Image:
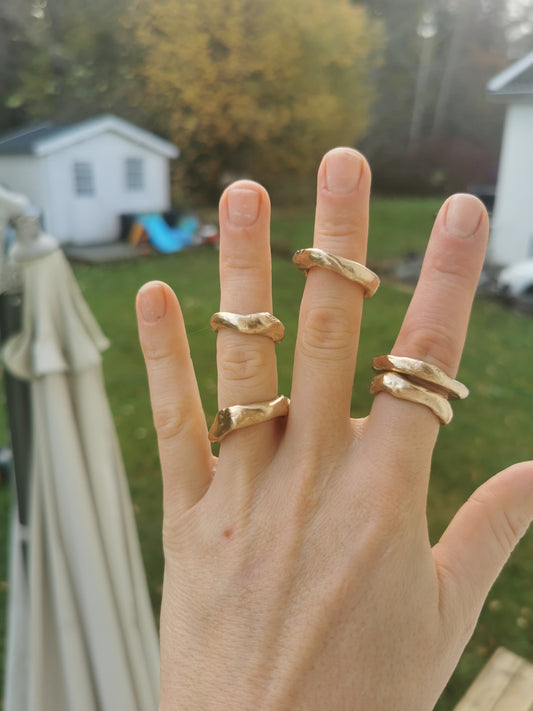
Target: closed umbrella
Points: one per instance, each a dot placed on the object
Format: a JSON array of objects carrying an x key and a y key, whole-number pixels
[{"x": 81, "y": 634}]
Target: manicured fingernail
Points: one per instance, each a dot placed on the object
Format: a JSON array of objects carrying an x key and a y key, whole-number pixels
[
  {"x": 153, "y": 302},
  {"x": 463, "y": 215},
  {"x": 343, "y": 170},
  {"x": 243, "y": 206}
]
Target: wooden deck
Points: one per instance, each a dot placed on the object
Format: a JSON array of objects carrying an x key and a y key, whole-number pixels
[{"x": 504, "y": 684}]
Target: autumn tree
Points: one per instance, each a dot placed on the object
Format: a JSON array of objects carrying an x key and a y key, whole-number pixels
[{"x": 256, "y": 87}]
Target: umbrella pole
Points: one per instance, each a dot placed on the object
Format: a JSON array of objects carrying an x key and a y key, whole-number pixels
[{"x": 18, "y": 408}]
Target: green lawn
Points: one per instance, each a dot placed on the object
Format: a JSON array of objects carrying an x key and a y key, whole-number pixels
[{"x": 490, "y": 430}]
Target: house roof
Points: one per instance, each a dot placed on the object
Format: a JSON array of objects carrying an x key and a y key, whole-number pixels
[
  {"x": 43, "y": 139},
  {"x": 515, "y": 81}
]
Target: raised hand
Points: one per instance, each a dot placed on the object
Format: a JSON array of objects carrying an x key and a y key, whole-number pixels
[{"x": 300, "y": 576}]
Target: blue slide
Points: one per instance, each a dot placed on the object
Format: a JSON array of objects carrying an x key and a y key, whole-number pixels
[{"x": 169, "y": 239}]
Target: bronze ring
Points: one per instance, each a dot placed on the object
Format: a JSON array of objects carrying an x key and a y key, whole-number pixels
[
  {"x": 421, "y": 372},
  {"x": 399, "y": 387},
  {"x": 306, "y": 259},
  {"x": 238, "y": 416},
  {"x": 263, "y": 324}
]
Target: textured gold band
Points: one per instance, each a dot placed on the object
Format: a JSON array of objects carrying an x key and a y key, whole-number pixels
[
  {"x": 422, "y": 371},
  {"x": 238, "y": 416},
  {"x": 262, "y": 324},
  {"x": 399, "y": 387},
  {"x": 306, "y": 259}
]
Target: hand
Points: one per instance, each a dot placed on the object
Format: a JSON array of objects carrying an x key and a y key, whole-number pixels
[{"x": 301, "y": 576}]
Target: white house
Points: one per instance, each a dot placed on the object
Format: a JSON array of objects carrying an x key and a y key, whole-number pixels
[
  {"x": 512, "y": 224},
  {"x": 84, "y": 176}
]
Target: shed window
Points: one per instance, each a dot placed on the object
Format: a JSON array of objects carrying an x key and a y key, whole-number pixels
[
  {"x": 84, "y": 178},
  {"x": 134, "y": 174}
]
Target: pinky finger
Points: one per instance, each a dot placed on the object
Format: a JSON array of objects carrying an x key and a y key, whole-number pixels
[{"x": 184, "y": 450}]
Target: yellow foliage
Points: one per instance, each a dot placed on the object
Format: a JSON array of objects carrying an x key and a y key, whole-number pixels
[{"x": 255, "y": 86}]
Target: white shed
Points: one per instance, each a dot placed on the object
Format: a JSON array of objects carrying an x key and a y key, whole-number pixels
[
  {"x": 84, "y": 176},
  {"x": 512, "y": 223}
]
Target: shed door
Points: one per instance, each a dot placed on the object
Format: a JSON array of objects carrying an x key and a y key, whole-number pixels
[{"x": 92, "y": 218}]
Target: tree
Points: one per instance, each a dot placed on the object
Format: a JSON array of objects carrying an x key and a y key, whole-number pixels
[
  {"x": 74, "y": 61},
  {"x": 520, "y": 28},
  {"x": 14, "y": 18},
  {"x": 457, "y": 136},
  {"x": 257, "y": 87}
]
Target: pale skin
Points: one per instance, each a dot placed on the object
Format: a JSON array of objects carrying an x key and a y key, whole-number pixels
[{"x": 300, "y": 577}]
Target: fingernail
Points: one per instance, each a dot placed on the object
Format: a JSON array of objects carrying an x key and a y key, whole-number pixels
[
  {"x": 343, "y": 171},
  {"x": 153, "y": 302},
  {"x": 463, "y": 215},
  {"x": 243, "y": 206}
]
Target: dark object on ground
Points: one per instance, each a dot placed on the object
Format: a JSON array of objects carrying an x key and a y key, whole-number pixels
[
  {"x": 6, "y": 462},
  {"x": 18, "y": 404},
  {"x": 171, "y": 217},
  {"x": 101, "y": 253}
]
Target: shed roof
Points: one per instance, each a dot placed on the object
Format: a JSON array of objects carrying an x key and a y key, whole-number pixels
[
  {"x": 515, "y": 81},
  {"x": 45, "y": 138}
]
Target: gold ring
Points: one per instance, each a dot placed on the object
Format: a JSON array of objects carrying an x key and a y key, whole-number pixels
[
  {"x": 263, "y": 324},
  {"x": 397, "y": 386},
  {"x": 306, "y": 259},
  {"x": 421, "y": 371},
  {"x": 238, "y": 416}
]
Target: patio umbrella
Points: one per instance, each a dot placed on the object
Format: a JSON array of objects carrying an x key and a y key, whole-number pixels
[{"x": 81, "y": 633}]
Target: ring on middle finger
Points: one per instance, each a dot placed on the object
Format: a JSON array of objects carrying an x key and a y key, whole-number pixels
[
  {"x": 306, "y": 259},
  {"x": 262, "y": 324}
]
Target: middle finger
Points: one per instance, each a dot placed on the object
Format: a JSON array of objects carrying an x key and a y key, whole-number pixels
[{"x": 330, "y": 313}]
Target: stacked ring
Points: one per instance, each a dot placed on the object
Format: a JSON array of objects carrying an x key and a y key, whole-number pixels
[
  {"x": 239, "y": 416},
  {"x": 419, "y": 382},
  {"x": 263, "y": 324},
  {"x": 399, "y": 387},
  {"x": 419, "y": 370},
  {"x": 306, "y": 259}
]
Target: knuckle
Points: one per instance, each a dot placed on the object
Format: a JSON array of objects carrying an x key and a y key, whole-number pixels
[
  {"x": 170, "y": 421},
  {"x": 157, "y": 353},
  {"x": 327, "y": 334},
  {"x": 241, "y": 263},
  {"x": 433, "y": 340},
  {"x": 510, "y": 530},
  {"x": 337, "y": 232},
  {"x": 505, "y": 529},
  {"x": 450, "y": 269},
  {"x": 243, "y": 363}
]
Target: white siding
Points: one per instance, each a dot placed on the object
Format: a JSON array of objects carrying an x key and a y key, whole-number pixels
[
  {"x": 95, "y": 218},
  {"x": 512, "y": 226},
  {"x": 26, "y": 175}
]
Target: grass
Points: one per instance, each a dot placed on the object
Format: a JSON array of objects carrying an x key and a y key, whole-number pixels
[
  {"x": 490, "y": 430},
  {"x": 397, "y": 227}
]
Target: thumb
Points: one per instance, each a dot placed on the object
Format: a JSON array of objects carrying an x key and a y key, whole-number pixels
[{"x": 480, "y": 539}]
